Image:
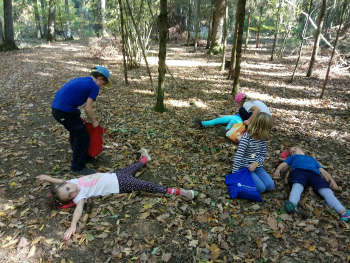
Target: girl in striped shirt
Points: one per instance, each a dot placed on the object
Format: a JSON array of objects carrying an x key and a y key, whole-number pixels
[{"x": 251, "y": 151}]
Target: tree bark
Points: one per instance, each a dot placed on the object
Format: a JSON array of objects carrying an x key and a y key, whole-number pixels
[
  {"x": 276, "y": 29},
  {"x": 37, "y": 19},
  {"x": 233, "y": 51},
  {"x": 247, "y": 32},
  {"x": 163, "y": 32},
  {"x": 240, "y": 15},
  {"x": 211, "y": 21},
  {"x": 102, "y": 20},
  {"x": 302, "y": 41},
  {"x": 218, "y": 21},
  {"x": 9, "y": 39},
  {"x": 44, "y": 17},
  {"x": 259, "y": 27},
  {"x": 189, "y": 22},
  {"x": 123, "y": 41},
  {"x": 197, "y": 24},
  {"x": 345, "y": 3},
  {"x": 225, "y": 37},
  {"x": 317, "y": 38},
  {"x": 51, "y": 21},
  {"x": 68, "y": 23},
  {"x": 140, "y": 42},
  {"x": 1, "y": 33}
]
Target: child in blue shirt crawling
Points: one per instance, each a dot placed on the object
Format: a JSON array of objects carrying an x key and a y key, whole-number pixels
[{"x": 306, "y": 171}]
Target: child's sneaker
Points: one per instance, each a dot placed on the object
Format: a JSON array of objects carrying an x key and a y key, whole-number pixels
[
  {"x": 346, "y": 216},
  {"x": 289, "y": 207},
  {"x": 188, "y": 194},
  {"x": 198, "y": 123},
  {"x": 144, "y": 153}
]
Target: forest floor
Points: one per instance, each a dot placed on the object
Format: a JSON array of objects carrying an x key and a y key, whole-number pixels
[{"x": 141, "y": 227}]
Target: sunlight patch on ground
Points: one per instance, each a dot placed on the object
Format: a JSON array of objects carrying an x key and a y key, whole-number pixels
[
  {"x": 199, "y": 104},
  {"x": 148, "y": 92},
  {"x": 211, "y": 91},
  {"x": 178, "y": 103},
  {"x": 315, "y": 102},
  {"x": 263, "y": 65},
  {"x": 264, "y": 73},
  {"x": 183, "y": 63}
]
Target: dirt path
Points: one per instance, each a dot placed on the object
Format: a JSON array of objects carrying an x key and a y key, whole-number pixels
[{"x": 152, "y": 228}]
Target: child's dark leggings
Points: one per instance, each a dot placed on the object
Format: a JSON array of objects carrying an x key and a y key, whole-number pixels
[{"x": 128, "y": 183}]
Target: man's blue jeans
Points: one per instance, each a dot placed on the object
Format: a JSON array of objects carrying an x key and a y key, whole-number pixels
[{"x": 78, "y": 136}]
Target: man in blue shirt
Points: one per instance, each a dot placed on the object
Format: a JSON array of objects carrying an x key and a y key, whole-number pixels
[{"x": 69, "y": 97}]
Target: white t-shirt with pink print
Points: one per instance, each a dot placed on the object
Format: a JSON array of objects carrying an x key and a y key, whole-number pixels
[{"x": 95, "y": 185}]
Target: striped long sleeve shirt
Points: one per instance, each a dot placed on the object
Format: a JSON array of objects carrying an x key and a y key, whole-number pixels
[{"x": 249, "y": 150}]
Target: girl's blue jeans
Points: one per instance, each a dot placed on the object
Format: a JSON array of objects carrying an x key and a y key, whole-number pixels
[
  {"x": 228, "y": 119},
  {"x": 262, "y": 180}
]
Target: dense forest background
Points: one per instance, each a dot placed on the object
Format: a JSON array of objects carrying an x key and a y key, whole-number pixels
[{"x": 171, "y": 61}]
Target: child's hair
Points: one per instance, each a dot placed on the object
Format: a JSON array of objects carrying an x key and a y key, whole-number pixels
[
  {"x": 54, "y": 200},
  {"x": 97, "y": 74},
  {"x": 260, "y": 126}
]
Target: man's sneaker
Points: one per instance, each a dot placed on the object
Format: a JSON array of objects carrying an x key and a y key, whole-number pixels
[
  {"x": 346, "y": 216},
  {"x": 84, "y": 171},
  {"x": 188, "y": 194},
  {"x": 145, "y": 153},
  {"x": 198, "y": 123}
]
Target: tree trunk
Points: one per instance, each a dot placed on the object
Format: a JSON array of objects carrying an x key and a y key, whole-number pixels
[
  {"x": 163, "y": 32},
  {"x": 1, "y": 33},
  {"x": 302, "y": 41},
  {"x": 218, "y": 21},
  {"x": 276, "y": 29},
  {"x": 37, "y": 19},
  {"x": 345, "y": 3},
  {"x": 197, "y": 24},
  {"x": 247, "y": 32},
  {"x": 259, "y": 27},
  {"x": 102, "y": 19},
  {"x": 9, "y": 39},
  {"x": 240, "y": 15},
  {"x": 140, "y": 41},
  {"x": 98, "y": 17},
  {"x": 51, "y": 21},
  {"x": 189, "y": 22},
  {"x": 44, "y": 17},
  {"x": 123, "y": 41},
  {"x": 225, "y": 37},
  {"x": 211, "y": 21},
  {"x": 68, "y": 23},
  {"x": 233, "y": 51},
  {"x": 317, "y": 38}
]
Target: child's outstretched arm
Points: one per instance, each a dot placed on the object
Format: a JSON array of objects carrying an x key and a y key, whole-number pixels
[
  {"x": 282, "y": 167},
  {"x": 329, "y": 179},
  {"x": 255, "y": 111},
  {"x": 44, "y": 177},
  {"x": 78, "y": 211}
]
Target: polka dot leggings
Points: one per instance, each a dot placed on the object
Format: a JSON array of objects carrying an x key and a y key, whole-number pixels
[{"x": 128, "y": 183}]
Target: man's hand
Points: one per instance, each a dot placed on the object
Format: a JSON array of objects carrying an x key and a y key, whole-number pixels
[
  {"x": 69, "y": 232},
  {"x": 252, "y": 166},
  {"x": 95, "y": 124}
]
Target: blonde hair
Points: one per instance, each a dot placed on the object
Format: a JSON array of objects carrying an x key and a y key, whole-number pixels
[{"x": 260, "y": 126}]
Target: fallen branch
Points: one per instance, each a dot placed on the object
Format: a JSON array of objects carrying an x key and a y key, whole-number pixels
[{"x": 315, "y": 26}]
